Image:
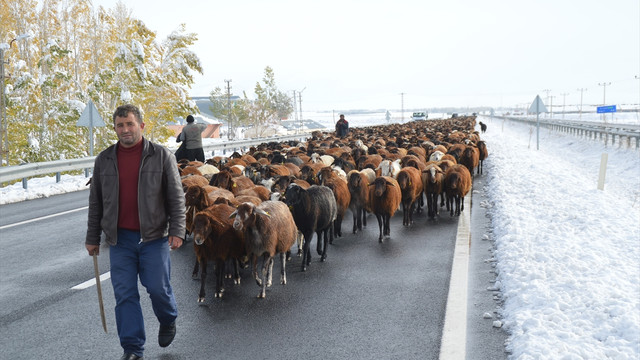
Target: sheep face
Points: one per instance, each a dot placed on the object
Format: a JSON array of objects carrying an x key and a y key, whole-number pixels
[
  {"x": 201, "y": 228},
  {"x": 293, "y": 195},
  {"x": 380, "y": 186},
  {"x": 243, "y": 216},
  {"x": 194, "y": 195}
]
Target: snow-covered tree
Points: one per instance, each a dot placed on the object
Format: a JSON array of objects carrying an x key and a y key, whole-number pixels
[{"x": 75, "y": 54}]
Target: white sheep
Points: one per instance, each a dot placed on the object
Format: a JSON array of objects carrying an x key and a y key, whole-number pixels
[{"x": 389, "y": 168}]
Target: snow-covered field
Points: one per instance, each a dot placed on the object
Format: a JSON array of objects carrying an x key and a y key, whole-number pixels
[{"x": 567, "y": 255}]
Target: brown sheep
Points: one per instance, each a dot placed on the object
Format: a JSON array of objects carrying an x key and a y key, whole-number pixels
[
  {"x": 410, "y": 182},
  {"x": 456, "y": 184},
  {"x": 247, "y": 198},
  {"x": 483, "y": 153},
  {"x": 282, "y": 183},
  {"x": 384, "y": 199},
  {"x": 309, "y": 171},
  {"x": 456, "y": 151},
  {"x": 189, "y": 170},
  {"x": 470, "y": 158},
  {"x": 341, "y": 192},
  {"x": 225, "y": 180},
  {"x": 214, "y": 239},
  {"x": 268, "y": 230},
  {"x": 191, "y": 180},
  {"x": 432, "y": 184},
  {"x": 258, "y": 191},
  {"x": 358, "y": 184}
]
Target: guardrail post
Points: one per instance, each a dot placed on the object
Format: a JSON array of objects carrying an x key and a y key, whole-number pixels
[
  {"x": 24, "y": 183},
  {"x": 57, "y": 177}
]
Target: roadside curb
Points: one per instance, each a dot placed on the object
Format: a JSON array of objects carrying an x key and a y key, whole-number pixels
[{"x": 454, "y": 331}]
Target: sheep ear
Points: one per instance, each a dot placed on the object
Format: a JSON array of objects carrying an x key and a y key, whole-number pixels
[
  {"x": 233, "y": 214},
  {"x": 262, "y": 212}
]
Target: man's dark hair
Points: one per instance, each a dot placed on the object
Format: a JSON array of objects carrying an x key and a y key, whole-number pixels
[{"x": 124, "y": 110}]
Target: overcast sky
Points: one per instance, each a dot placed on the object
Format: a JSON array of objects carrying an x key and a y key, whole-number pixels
[{"x": 353, "y": 54}]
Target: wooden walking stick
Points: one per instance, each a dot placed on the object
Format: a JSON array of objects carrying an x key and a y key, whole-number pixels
[{"x": 95, "y": 267}]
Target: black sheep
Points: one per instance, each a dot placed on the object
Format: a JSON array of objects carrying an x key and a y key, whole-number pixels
[{"x": 314, "y": 210}]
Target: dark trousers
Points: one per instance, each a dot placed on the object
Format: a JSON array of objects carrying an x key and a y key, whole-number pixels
[{"x": 195, "y": 154}]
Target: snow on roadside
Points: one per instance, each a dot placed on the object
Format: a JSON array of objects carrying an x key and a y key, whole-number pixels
[
  {"x": 568, "y": 255},
  {"x": 42, "y": 187}
]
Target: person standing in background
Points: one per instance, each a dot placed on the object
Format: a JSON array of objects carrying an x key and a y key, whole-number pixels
[
  {"x": 192, "y": 136},
  {"x": 342, "y": 127},
  {"x": 136, "y": 199}
]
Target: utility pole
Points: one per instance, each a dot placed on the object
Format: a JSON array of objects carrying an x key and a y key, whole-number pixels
[
  {"x": 604, "y": 100},
  {"x": 230, "y": 134},
  {"x": 564, "y": 98},
  {"x": 295, "y": 106},
  {"x": 402, "y": 107},
  {"x": 551, "y": 105},
  {"x": 604, "y": 96},
  {"x": 547, "y": 91},
  {"x": 300, "y": 104},
  {"x": 581, "y": 91}
]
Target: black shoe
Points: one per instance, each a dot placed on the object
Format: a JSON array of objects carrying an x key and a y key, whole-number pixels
[
  {"x": 128, "y": 356},
  {"x": 166, "y": 334}
]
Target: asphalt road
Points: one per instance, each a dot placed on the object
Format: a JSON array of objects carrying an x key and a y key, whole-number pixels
[{"x": 368, "y": 300}]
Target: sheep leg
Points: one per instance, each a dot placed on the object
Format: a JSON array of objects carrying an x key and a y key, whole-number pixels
[
  {"x": 306, "y": 252},
  {"x": 283, "y": 272},
  {"x": 387, "y": 229},
  {"x": 270, "y": 272},
  {"x": 379, "y": 217},
  {"x": 203, "y": 280},
  {"x": 356, "y": 215},
  {"x": 236, "y": 271},
  {"x": 196, "y": 268},
  {"x": 327, "y": 234},
  {"x": 254, "y": 269},
  {"x": 266, "y": 259},
  {"x": 219, "y": 278},
  {"x": 405, "y": 215},
  {"x": 337, "y": 224},
  {"x": 411, "y": 208},
  {"x": 319, "y": 233},
  {"x": 300, "y": 243},
  {"x": 364, "y": 218}
]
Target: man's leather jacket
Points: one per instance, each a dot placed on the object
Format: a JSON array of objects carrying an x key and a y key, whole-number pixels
[{"x": 160, "y": 196}]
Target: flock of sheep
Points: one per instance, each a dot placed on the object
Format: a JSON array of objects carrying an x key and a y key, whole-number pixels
[{"x": 258, "y": 204}]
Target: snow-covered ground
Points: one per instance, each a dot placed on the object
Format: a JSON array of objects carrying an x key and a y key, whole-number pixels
[{"x": 567, "y": 255}]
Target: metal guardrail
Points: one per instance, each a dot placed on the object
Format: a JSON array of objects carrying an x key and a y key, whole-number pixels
[
  {"x": 26, "y": 171},
  {"x": 595, "y": 130}
]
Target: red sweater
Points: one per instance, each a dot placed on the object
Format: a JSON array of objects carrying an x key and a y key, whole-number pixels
[{"x": 128, "y": 173}]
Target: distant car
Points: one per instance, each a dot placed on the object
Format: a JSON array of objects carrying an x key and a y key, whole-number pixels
[{"x": 419, "y": 116}]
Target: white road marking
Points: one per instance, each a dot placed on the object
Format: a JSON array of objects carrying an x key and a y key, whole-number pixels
[
  {"x": 42, "y": 218},
  {"x": 454, "y": 331},
  {"x": 92, "y": 282}
]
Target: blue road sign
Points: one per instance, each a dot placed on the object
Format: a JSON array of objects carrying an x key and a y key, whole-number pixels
[{"x": 606, "y": 109}]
